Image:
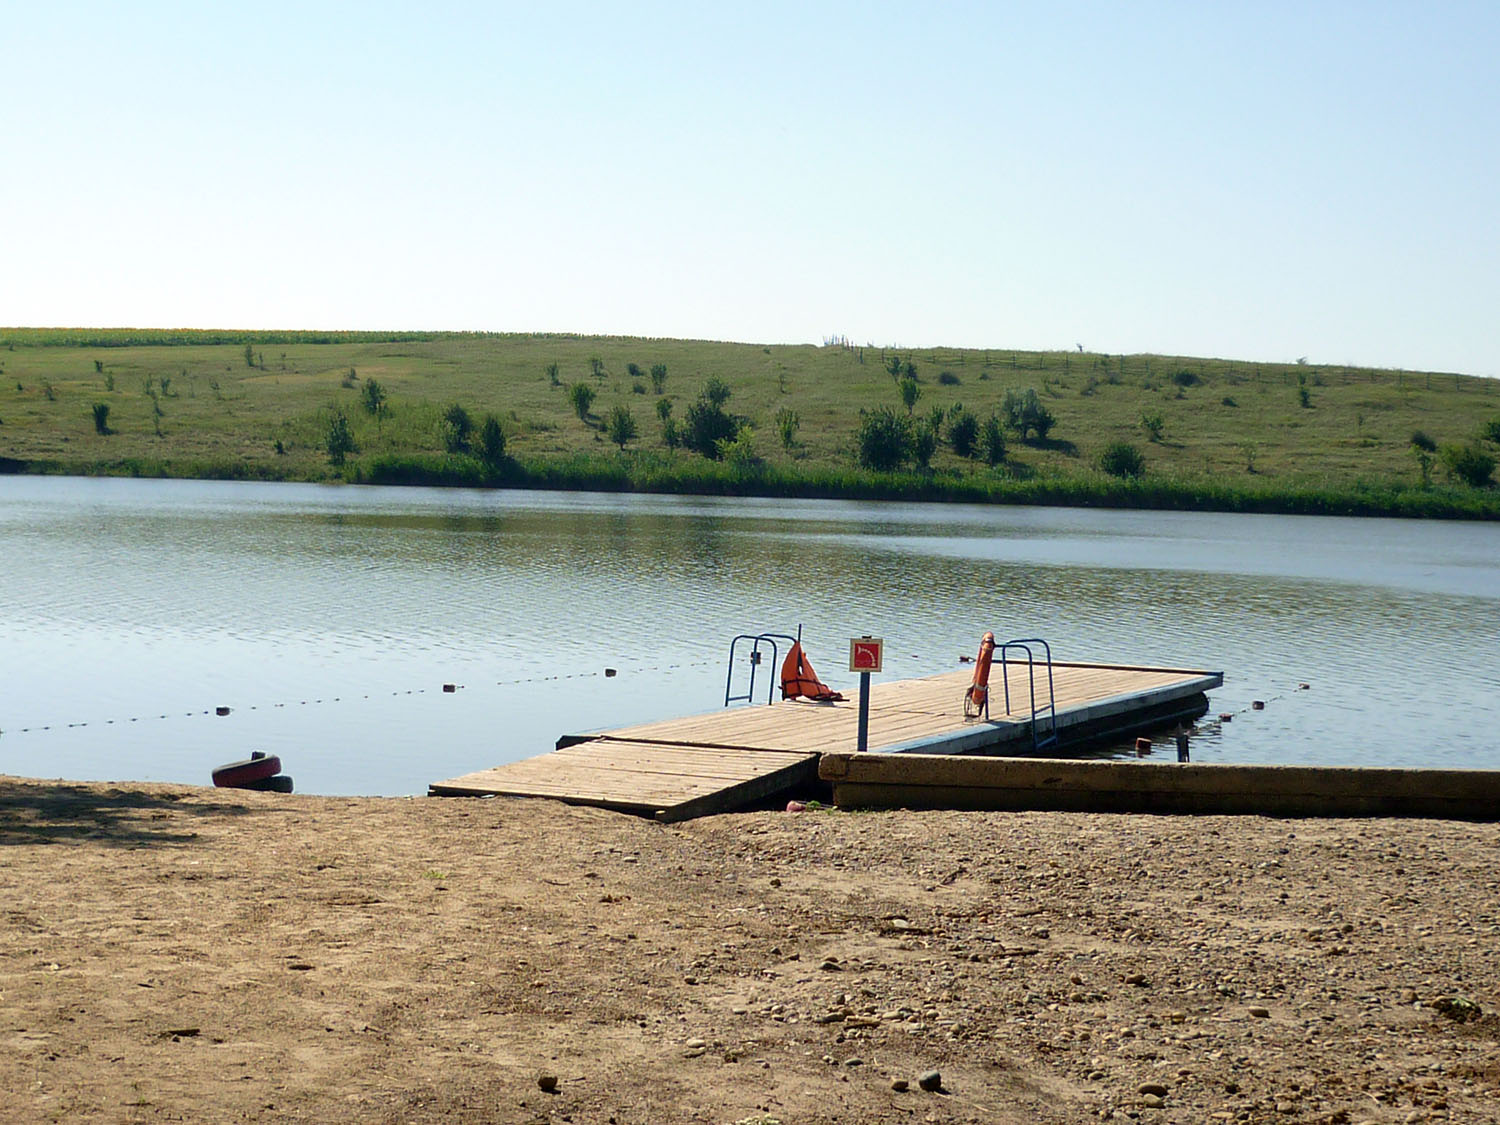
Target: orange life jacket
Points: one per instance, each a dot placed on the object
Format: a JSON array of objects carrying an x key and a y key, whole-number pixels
[{"x": 798, "y": 678}]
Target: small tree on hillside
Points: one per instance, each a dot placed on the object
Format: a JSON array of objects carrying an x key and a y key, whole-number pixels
[
  {"x": 338, "y": 437},
  {"x": 963, "y": 432},
  {"x": 457, "y": 428},
  {"x": 620, "y": 426},
  {"x": 372, "y": 398},
  {"x": 992, "y": 440},
  {"x": 1035, "y": 416},
  {"x": 1026, "y": 415},
  {"x": 910, "y": 390},
  {"x": 715, "y": 391},
  {"x": 787, "y": 423},
  {"x": 491, "y": 441},
  {"x": 936, "y": 417},
  {"x": 924, "y": 441},
  {"x": 581, "y": 395},
  {"x": 658, "y": 378}
]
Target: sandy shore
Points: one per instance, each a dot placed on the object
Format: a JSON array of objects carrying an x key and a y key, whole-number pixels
[{"x": 180, "y": 954}]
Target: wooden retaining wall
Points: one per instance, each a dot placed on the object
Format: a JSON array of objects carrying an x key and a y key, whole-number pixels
[{"x": 933, "y": 781}]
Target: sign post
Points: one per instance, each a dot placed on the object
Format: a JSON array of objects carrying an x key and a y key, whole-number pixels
[{"x": 866, "y": 655}]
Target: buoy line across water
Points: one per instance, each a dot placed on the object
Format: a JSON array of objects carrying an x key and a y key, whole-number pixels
[{"x": 222, "y": 710}]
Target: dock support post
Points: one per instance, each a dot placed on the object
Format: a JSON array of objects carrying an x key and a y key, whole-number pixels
[{"x": 864, "y": 713}]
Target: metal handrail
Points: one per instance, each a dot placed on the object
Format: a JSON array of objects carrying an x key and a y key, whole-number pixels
[
  {"x": 1024, "y": 644},
  {"x": 756, "y": 639}
]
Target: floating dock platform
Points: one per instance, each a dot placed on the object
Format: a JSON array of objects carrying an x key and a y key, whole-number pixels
[{"x": 728, "y": 759}]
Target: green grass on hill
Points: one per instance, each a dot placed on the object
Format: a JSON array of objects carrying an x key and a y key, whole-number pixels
[{"x": 1229, "y": 435}]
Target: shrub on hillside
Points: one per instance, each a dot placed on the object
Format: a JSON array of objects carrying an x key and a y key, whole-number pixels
[
  {"x": 787, "y": 423},
  {"x": 963, "y": 433},
  {"x": 883, "y": 440},
  {"x": 581, "y": 395},
  {"x": 705, "y": 426},
  {"x": 1469, "y": 464},
  {"x": 456, "y": 429},
  {"x": 491, "y": 441},
  {"x": 992, "y": 440},
  {"x": 1121, "y": 459},
  {"x": 924, "y": 441}
]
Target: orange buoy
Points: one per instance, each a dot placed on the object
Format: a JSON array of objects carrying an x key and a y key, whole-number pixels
[
  {"x": 246, "y": 772},
  {"x": 977, "y": 697}
]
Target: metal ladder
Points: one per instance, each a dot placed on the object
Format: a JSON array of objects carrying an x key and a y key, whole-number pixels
[
  {"x": 1048, "y": 710},
  {"x": 756, "y": 641}
]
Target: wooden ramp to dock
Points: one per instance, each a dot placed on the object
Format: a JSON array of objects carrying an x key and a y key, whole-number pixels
[
  {"x": 703, "y": 764},
  {"x": 670, "y": 782}
]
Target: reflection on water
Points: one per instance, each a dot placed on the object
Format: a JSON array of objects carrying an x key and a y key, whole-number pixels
[{"x": 330, "y": 618}]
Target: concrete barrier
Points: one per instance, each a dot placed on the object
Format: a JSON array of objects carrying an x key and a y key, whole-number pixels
[{"x": 962, "y": 782}]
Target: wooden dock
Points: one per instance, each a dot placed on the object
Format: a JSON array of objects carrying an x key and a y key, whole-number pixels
[{"x": 727, "y": 759}]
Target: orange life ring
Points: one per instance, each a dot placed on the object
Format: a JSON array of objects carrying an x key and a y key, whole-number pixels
[{"x": 977, "y": 697}]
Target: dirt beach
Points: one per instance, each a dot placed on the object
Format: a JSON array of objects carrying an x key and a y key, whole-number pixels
[{"x": 181, "y": 954}]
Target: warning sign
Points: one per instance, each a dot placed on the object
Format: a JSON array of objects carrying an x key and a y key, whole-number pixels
[{"x": 866, "y": 654}]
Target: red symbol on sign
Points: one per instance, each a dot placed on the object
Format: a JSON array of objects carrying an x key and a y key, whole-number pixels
[{"x": 864, "y": 655}]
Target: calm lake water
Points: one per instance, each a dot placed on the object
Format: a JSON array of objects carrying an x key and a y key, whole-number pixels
[{"x": 328, "y": 620}]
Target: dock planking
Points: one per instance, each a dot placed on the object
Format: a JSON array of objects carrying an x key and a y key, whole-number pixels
[
  {"x": 652, "y": 779},
  {"x": 697, "y": 765}
]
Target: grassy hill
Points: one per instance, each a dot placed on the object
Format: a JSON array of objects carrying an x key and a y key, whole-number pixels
[{"x": 1213, "y": 433}]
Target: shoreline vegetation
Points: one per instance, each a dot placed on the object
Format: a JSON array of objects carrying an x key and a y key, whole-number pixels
[{"x": 835, "y": 421}]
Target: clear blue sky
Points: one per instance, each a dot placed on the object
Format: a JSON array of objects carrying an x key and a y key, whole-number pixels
[{"x": 1258, "y": 180}]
